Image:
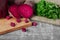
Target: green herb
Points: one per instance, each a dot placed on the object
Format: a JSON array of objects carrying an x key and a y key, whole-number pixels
[{"x": 47, "y": 9}]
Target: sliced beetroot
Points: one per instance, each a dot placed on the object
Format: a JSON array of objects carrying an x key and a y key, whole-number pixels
[
  {"x": 8, "y": 17},
  {"x": 34, "y": 23},
  {"x": 1, "y": 14},
  {"x": 25, "y": 10},
  {"x": 24, "y": 29},
  {"x": 14, "y": 12},
  {"x": 26, "y": 20},
  {"x": 13, "y": 24},
  {"x": 18, "y": 20}
]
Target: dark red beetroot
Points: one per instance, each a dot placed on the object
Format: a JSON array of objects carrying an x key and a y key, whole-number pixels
[
  {"x": 3, "y": 8},
  {"x": 26, "y": 20},
  {"x": 34, "y": 23},
  {"x": 24, "y": 29},
  {"x": 25, "y": 10},
  {"x": 13, "y": 11},
  {"x": 12, "y": 24},
  {"x": 18, "y": 20}
]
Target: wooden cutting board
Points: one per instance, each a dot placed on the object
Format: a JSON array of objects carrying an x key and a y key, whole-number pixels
[
  {"x": 46, "y": 20},
  {"x": 5, "y": 26}
]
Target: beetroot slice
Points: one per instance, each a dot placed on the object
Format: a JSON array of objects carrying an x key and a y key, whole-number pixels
[
  {"x": 18, "y": 20},
  {"x": 24, "y": 29},
  {"x": 26, "y": 20},
  {"x": 14, "y": 12},
  {"x": 8, "y": 17},
  {"x": 13, "y": 24},
  {"x": 34, "y": 23}
]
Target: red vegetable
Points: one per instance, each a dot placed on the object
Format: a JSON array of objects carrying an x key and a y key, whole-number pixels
[
  {"x": 18, "y": 20},
  {"x": 14, "y": 12},
  {"x": 8, "y": 17},
  {"x": 13, "y": 24},
  {"x": 24, "y": 29},
  {"x": 25, "y": 10},
  {"x": 26, "y": 20},
  {"x": 34, "y": 23}
]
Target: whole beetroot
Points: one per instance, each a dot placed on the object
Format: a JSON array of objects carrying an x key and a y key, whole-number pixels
[
  {"x": 13, "y": 11},
  {"x": 25, "y": 10}
]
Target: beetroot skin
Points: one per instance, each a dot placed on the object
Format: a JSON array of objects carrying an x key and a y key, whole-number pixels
[
  {"x": 13, "y": 10},
  {"x": 34, "y": 23},
  {"x": 25, "y": 10},
  {"x": 24, "y": 29}
]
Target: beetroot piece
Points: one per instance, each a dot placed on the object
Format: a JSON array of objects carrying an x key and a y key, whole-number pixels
[
  {"x": 14, "y": 12},
  {"x": 3, "y": 8},
  {"x": 13, "y": 24},
  {"x": 34, "y": 23},
  {"x": 18, "y": 20},
  {"x": 24, "y": 29},
  {"x": 8, "y": 17},
  {"x": 25, "y": 10},
  {"x": 17, "y": 2},
  {"x": 26, "y": 20}
]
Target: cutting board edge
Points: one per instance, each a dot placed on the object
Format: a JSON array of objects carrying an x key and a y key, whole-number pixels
[
  {"x": 17, "y": 28},
  {"x": 49, "y": 21}
]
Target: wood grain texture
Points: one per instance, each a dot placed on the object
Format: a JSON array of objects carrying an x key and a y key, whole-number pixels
[
  {"x": 5, "y": 25},
  {"x": 46, "y": 20}
]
